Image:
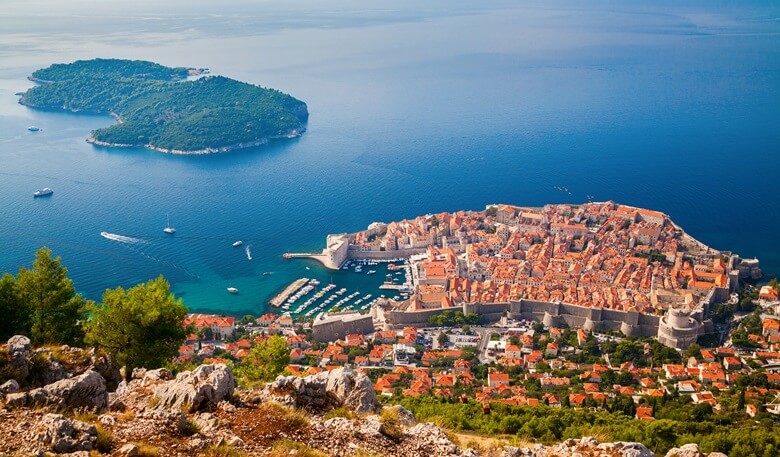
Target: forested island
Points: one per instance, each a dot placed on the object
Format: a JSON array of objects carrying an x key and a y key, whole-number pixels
[{"x": 159, "y": 108}]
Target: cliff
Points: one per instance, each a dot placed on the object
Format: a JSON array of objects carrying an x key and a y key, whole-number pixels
[{"x": 203, "y": 412}]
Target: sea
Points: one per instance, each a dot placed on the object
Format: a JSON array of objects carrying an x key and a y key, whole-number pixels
[{"x": 415, "y": 108}]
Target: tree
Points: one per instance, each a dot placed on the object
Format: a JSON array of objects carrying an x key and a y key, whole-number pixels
[
  {"x": 141, "y": 326},
  {"x": 56, "y": 310},
  {"x": 265, "y": 361},
  {"x": 14, "y": 312},
  {"x": 442, "y": 339}
]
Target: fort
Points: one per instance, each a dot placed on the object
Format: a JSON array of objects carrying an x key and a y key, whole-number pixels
[{"x": 599, "y": 266}]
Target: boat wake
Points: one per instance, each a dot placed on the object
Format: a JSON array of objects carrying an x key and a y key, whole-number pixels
[
  {"x": 248, "y": 253},
  {"x": 121, "y": 238}
]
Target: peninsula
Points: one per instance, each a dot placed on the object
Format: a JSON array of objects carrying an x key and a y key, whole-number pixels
[
  {"x": 596, "y": 266},
  {"x": 159, "y": 108}
]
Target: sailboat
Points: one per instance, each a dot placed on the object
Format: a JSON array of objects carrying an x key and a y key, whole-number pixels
[{"x": 168, "y": 228}]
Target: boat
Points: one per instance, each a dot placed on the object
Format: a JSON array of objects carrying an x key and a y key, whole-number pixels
[
  {"x": 168, "y": 229},
  {"x": 43, "y": 192},
  {"x": 33, "y": 128},
  {"x": 266, "y": 273},
  {"x": 238, "y": 243},
  {"x": 232, "y": 290},
  {"x": 248, "y": 253}
]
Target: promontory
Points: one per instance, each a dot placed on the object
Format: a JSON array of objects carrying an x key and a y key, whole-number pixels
[{"x": 164, "y": 109}]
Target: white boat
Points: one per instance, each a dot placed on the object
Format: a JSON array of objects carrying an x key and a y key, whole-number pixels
[
  {"x": 43, "y": 192},
  {"x": 168, "y": 229},
  {"x": 370, "y": 272},
  {"x": 248, "y": 253},
  {"x": 238, "y": 243},
  {"x": 33, "y": 128},
  {"x": 232, "y": 290}
]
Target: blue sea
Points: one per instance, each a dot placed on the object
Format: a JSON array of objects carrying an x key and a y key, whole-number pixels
[{"x": 415, "y": 108}]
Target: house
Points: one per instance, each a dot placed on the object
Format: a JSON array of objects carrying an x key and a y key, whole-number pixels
[
  {"x": 577, "y": 399},
  {"x": 674, "y": 371},
  {"x": 751, "y": 410},
  {"x": 644, "y": 413},
  {"x": 767, "y": 293},
  {"x": 498, "y": 379},
  {"x": 732, "y": 363},
  {"x": 552, "y": 349},
  {"x": 220, "y": 327}
]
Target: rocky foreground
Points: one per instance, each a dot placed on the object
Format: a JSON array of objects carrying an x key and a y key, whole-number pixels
[{"x": 63, "y": 402}]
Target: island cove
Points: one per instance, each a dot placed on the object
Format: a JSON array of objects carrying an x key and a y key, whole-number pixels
[
  {"x": 158, "y": 108},
  {"x": 599, "y": 266}
]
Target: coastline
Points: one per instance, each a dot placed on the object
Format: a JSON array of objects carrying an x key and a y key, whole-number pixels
[{"x": 211, "y": 150}]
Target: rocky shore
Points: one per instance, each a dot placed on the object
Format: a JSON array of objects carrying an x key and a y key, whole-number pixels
[{"x": 67, "y": 401}]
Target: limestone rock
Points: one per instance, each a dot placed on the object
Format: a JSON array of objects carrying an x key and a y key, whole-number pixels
[
  {"x": 128, "y": 450},
  {"x": 326, "y": 390},
  {"x": 9, "y": 387},
  {"x": 59, "y": 434},
  {"x": 428, "y": 439},
  {"x": 194, "y": 391},
  {"x": 688, "y": 450},
  {"x": 19, "y": 356},
  {"x": 405, "y": 417},
  {"x": 85, "y": 391}
]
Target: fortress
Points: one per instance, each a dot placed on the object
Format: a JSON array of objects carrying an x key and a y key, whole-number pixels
[{"x": 598, "y": 266}]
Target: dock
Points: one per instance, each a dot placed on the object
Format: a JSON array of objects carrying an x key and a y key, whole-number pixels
[{"x": 278, "y": 300}]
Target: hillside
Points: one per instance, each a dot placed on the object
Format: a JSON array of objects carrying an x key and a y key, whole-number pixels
[
  {"x": 158, "y": 109},
  {"x": 65, "y": 401}
]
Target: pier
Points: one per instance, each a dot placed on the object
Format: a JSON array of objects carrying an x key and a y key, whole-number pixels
[{"x": 289, "y": 290}]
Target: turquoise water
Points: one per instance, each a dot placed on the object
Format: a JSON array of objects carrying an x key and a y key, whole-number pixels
[{"x": 414, "y": 109}]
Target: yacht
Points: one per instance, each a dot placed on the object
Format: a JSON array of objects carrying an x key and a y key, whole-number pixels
[
  {"x": 370, "y": 272},
  {"x": 238, "y": 243},
  {"x": 168, "y": 228},
  {"x": 43, "y": 192},
  {"x": 232, "y": 290}
]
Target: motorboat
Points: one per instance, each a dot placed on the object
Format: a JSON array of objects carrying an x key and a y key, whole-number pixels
[
  {"x": 33, "y": 128},
  {"x": 238, "y": 243},
  {"x": 232, "y": 290},
  {"x": 168, "y": 229},
  {"x": 43, "y": 192}
]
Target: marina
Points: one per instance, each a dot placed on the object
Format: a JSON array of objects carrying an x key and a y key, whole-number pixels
[{"x": 279, "y": 299}]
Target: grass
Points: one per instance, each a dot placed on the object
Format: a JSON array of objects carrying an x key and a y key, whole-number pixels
[
  {"x": 391, "y": 423},
  {"x": 286, "y": 447},
  {"x": 340, "y": 412},
  {"x": 187, "y": 427},
  {"x": 154, "y": 401},
  {"x": 222, "y": 451},
  {"x": 147, "y": 450},
  {"x": 360, "y": 452},
  {"x": 105, "y": 440},
  {"x": 294, "y": 418}
]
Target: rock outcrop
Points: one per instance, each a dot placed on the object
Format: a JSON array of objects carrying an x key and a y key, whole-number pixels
[
  {"x": 196, "y": 390},
  {"x": 59, "y": 434},
  {"x": 87, "y": 390},
  {"x": 324, "y": 391}
]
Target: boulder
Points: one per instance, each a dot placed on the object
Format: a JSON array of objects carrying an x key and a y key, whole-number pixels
[
  {"x": 428, "y": 439},
  {"x": 195, "y": 390},
  {"x": 128, "y": 450},
  {"x": 19, "y": 356},
  {"x": 687, "y": 450},
  {"x": 326, "y": 390},
  {"x": 85, "y": 391},
  {"x": 9, "y": 387},
  {"x": 57, "y": 433}
]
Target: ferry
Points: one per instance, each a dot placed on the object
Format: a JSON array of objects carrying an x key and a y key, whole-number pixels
[{"x": 43, "y": 192}]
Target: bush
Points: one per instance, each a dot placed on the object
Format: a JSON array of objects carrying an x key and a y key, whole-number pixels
[{"x": 391, "y": 423}]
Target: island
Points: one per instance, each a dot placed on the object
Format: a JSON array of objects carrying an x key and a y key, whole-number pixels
[{"x": 172, "y": 110}]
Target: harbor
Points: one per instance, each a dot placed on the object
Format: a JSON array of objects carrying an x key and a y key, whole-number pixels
[
  {"x": 311, "y": 299},
  {"x": 280, "y": 298}
]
